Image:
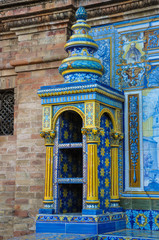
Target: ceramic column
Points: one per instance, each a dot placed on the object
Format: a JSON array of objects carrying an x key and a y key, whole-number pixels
[
  {"x": 48, "y": 193},
  {"x": 92, "y": 171},
  {"x": 115, "y": 138}
]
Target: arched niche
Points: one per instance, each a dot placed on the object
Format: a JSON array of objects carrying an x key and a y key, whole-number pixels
[
  {"x": 70, "y": 124},
  {"x": 68, "y": 178},
  {"x": 64, "y": 109},
  {"x": 110, "y": 115}
]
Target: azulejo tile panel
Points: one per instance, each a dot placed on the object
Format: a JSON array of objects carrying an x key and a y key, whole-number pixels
[
  {"x": 107, "y": 39},
  {"x": 104, "y": 55},
  {"x": 104, "y": 163},
  {"x": 70, "y": 163},
  {"x": 47, "y": 115},
  {"x": 134, "y": 142},
  {"x": 143, "y": 219},
  {"x": 78, "y": 105},
  {"x": 70, "y": 197},
  {"x": 151, "y": 139},
  {"x": 89, "y": 112},
  {"x": 130, "y": 52}
]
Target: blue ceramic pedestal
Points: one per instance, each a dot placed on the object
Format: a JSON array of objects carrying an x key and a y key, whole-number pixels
[{"x": 81, "y": 224}]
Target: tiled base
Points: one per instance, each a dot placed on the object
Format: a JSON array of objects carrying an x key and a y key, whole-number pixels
[
  {"x": 80, "y": 224},
  {"x": 56, "y": 236},
  {"x": 130, "y": 234},
  {"x": 142, "y": 219},
  {"x": 125, "y": 234}
]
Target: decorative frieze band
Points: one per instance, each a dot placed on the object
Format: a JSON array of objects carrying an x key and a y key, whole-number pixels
[
  {"x": 120, "y": 7},
  {"x": 93, "y": 11},
  {"x": 37, "y": 19}
]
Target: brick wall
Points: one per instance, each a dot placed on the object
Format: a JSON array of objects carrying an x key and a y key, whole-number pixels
[
  {"x": 35, "y": 55},
  {"x": 8, "y": 146},
  {"x": 30, "y": 161}
]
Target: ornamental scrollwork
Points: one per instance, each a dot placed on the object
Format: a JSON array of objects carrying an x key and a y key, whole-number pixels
[
  {"x": 48, "y": 136},
  {"x": 153, "y": 39},
  {"x": 115, "y": 138},
  {"x": 132, "y": 75},
  {"x": 92, "y": 134},
  {"x": 134, "y": 133},
  {"x": 47, "y": 113}
]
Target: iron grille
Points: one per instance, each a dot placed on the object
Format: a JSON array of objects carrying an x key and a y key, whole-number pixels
[{"x": 6, "y": 112}]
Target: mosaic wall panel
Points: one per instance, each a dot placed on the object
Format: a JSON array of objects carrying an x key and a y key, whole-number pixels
[
  {"x": 70, "y": 163},
  {"x": 89, "y": 112},
  {"x": 104, "y": 163},
  {"x": 142, "y": 219},
  {"x": 151, "y": 139},
  {"x": 107, "y": 39},
  {"x": 70, "y": 127},
  {"x": 104, "y": 55},
  {"x": 78, "y": 105},
  {"x": 70, "y": 198}
]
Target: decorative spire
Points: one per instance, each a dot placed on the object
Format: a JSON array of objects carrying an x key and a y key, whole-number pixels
[
  {"x": 81, "y": 65},
  {"x": 81, "y": 14}
]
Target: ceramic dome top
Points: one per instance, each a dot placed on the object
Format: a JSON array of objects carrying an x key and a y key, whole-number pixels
[{"x": 81, "y": 65}]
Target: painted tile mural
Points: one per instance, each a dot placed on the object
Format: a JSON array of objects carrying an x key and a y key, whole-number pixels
[
  {"x": 133, "y": 47},
  {"x": 129, "y": 54},
  {"x": 133, "y": 66},
  {"x": 151, "y": 139}
]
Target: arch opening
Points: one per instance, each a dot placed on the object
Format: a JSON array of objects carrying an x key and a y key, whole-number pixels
[
  {"x": 69, "y": 162},
  {"x": 70, "y": 124}
]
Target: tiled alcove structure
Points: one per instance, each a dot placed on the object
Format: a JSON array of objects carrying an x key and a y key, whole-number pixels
[
  {"x": 128, "y": 52},
  {"x": 83, "y": 131}
]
